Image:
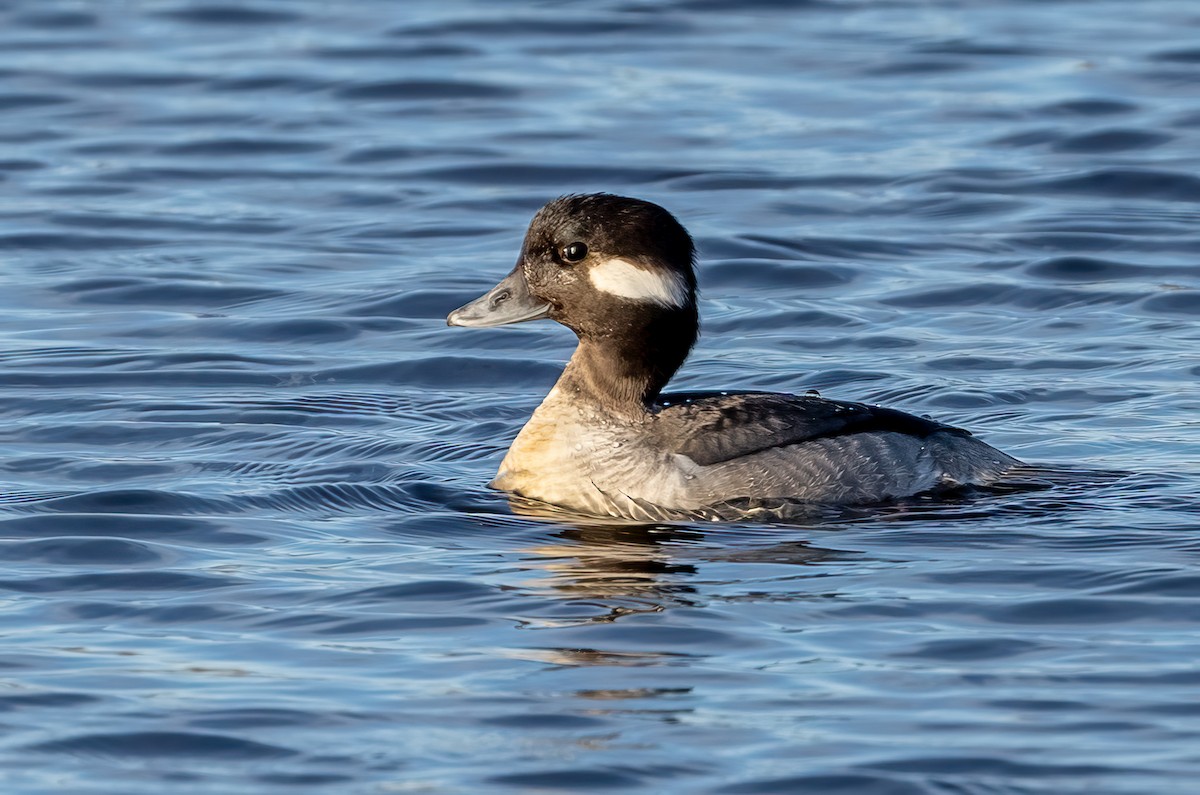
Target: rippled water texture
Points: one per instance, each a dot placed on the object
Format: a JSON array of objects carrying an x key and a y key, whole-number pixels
[{"x": 245, "y": 541}]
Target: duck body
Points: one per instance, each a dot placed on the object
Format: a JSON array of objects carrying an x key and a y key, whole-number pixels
[
  {"x": 689, "y": 453},
  {"x": 607, "y": 442}
]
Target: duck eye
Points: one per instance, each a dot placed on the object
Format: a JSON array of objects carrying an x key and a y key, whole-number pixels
[{"x": 574, "y": 252}]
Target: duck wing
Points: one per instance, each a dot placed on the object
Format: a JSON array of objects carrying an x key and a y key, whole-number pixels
[{"x": 712, "y": 427}]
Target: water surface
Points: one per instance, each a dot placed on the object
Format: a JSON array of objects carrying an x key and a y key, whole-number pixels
[{"x": 245, "y": 541}]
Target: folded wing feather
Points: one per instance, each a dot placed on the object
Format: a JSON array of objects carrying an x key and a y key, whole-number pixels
[{"x": 712, "y": 427}]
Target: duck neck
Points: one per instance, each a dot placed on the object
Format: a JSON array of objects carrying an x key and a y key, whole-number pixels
[{"x": 624, "y": 372}]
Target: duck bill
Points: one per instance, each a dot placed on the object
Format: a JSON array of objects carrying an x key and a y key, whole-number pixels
[{"x": 508, "y": 302}]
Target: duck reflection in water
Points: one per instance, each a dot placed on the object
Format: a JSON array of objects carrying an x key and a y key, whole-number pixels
[{"x": 628, "y": 568}]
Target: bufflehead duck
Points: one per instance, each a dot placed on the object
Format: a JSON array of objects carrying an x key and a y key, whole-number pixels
[{"x": 606, "y": 441}]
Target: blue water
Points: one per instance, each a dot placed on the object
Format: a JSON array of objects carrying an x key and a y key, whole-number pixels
[{"x": 245, "y": 540}]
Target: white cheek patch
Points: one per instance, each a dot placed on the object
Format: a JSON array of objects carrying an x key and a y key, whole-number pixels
[{"x": 618, "y": 277}]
